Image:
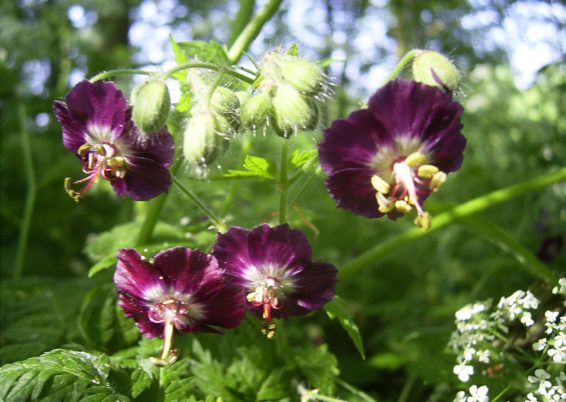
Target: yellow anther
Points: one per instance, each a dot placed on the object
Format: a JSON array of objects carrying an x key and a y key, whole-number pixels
[
  {"x": 427, "y": 171},
  {"x": 83, "y": 149},
  {"x": 68, "y": 185},
  {"x": 437, "y": 181},
  {"x": 268, "y": 329},
  {"x": 384, "y": 205},
  {"x": 379, "y": 184},
  {"x": 424, "y": 221},
  {"x": 402, "y": 206},
  {"x": 415, "y": 159},
  {"x": 115, "y": 162},
  {"x": 250, "y": 297}
]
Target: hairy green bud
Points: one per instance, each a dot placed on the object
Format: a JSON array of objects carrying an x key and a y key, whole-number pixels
[
  {"x": 292, "y": 112},
  {"x": 205, "y": 137},
  {"x": 151, "y": 105},
  {"x": 255, "y": 111},
  {"x": 434, "y": 69},
  {"x": 303, "y": 75},
  {"x": 226, "y": 103}
]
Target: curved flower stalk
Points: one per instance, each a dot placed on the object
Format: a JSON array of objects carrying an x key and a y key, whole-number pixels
[
  {"x": 274, "y": 267},
  {"x": 181, "y": 289},
  {"x": 98, "y": 128},
  {"x": 387, "y": 159}
]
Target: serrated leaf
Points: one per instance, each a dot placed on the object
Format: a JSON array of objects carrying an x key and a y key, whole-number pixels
[
  {"x": 320, "y": 367},
  {"x": 300, "y": 158},
  {"x": 211, "y": 51},
  {"x": 254, "y": 166},
  {"x": 59, "y": 375},
  {"x": 336, "y": 309},
  {"x": 141, "y": 380},
  {"x": 180, "y": 56},
  {"x": 37, "y": 315}
]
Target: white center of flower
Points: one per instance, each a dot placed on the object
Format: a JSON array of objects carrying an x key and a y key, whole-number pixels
[{"x": 173, "y": 307}]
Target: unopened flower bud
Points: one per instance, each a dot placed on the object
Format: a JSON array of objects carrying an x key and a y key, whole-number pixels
[
  {"x": 434, "y": 69},
  {"x": 292, "y": 112},
  {"x": 226, "y": 103},
  {"x": 204, "y": 139},
  {"x": 243, "y": 96},
  {"x": 255, "y": 111},
  {"x": 151, "y": 105},
  {"x": 303, "y": 75}
]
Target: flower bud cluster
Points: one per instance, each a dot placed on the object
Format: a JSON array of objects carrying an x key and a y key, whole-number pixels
[
  {"x": 213, "y": 122},
  {"x": 287, "y": 95}
]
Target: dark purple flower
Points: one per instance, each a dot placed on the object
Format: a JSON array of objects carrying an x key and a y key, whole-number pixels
[
  {"x": 98, "y": 128},
  {"x": 388, "y": 158},
  {"x": 274, "y": 267},
  {"x": 180, "y": 289}
]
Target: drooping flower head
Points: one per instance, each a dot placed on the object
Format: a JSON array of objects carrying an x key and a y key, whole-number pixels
[
  {"x": 274, "y": 267},
  {"x": 180, "y": 289},
  {"x": 388, "y": 158},
  {"x": 98, "y": 128}
]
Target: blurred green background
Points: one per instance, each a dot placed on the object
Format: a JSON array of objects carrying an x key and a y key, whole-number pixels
[{"x": 511, "y": 55}]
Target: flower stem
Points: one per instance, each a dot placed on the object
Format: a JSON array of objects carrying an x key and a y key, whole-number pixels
[
  {"x": 199, "y": 204},
  {"x": 153, "y": 211},
  {"x": 401, "y": 65},
  {"x": 167, "y": 339},
  {"x": 209, "y": 66},
  {"x": 283, "y": 183},
  {"x": 252, "y": 29},
  {"x": 111, "y": 73},
  {"x": 369, "y": 257},
  {"x": 30, "y": 196}
]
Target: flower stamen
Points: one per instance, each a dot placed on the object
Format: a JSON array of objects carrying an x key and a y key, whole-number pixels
[{"x": 265, "y": 295}]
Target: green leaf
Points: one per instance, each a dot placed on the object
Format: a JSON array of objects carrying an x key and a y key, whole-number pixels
[
  {"x": 293, "y": 50},
  {"x": 211, "y": 51},
  {"x": 38, "y": 315},
  {"x": 300, "y": 158},
  {"x": 180, "y": 56},
  {"x": 337, "y": 309},
  {"x": 102, "y": 322},
  {"x": 59, "y": 375},
  {"x": 254, "y": 166},
  {"x": 320, "y": 367}
]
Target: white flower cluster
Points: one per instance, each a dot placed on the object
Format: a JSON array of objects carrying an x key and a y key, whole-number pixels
[
  {"x": 480, "y": 328},
  {"x": 546, "y": 390},
  {"x": 476, "y": 394}
]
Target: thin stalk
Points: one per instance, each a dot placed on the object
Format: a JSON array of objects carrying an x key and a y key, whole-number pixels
[
  {"x": 30, "y": 196},
  {"x": 199, "y": 204},
  {"x": 251, "y": 30},
  {"x": 209, "y": 66},
  {"x": 215, "y": 85},
  {"x": 243, "y": 17},
  {"x": 302, "y": 189},
  {"x": 369, "y": 257},
  {"x": 401, "y": 65},
  {"x": 153, "y": 211},
  {"x": 283, "y": 184},
  {"x": 112, "y": 73},
  {"x": 406, "y": 391}
]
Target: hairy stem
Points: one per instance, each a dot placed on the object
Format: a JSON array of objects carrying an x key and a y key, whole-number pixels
[
  {"x": 369, "y": 257},
  {"x": 283, "y": 183},
  {"x": 209, "y": 66},
  {"x": 251, "y": 30},
  {"x": 200, "y": 205},
  {"x": 401, "y": 65},
  {"x": 112, "y": 73},
  {"x": 30, "y": 196}
]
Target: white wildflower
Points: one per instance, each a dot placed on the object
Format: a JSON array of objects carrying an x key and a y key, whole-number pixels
[{"x": 463, "y": 372}]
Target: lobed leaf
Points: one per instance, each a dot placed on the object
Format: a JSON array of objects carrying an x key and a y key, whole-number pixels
[{"x": 337, "y": 309}]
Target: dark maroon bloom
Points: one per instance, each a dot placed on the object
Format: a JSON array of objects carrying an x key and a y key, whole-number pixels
[
  {"x": 180, "y": 289},
  {"x": 388, "y": 158},
  {"x": 98, "y": 128},
  {"x": 274, "y": 267}
]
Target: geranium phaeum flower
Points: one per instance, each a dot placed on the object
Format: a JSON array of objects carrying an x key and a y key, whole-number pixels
[
  {"x": 274, "y": 267},
  {"x": 388, "y": 158},
  {"x": 180, "y": 289},
  {"x": 98, "y": 128}
]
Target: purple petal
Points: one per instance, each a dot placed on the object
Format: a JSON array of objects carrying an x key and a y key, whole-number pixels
[
  {"x": 347, "y": 144},
  {"x": 74, "y": 131},
  {"x": 135, "y": 276},
  {"x": 187, "y": 271},
  {"x": 145, "y": 179},
  {"x": 352, "y": 190},
  {"x": 100, "y": 104},
  {"x": 279, "y": 246},
  {"x": 231, "y": 251},
  {"x": 137, "y": 309},
  {"x": 158, "y": 146},
  {"x": 315, "y": 285}
]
